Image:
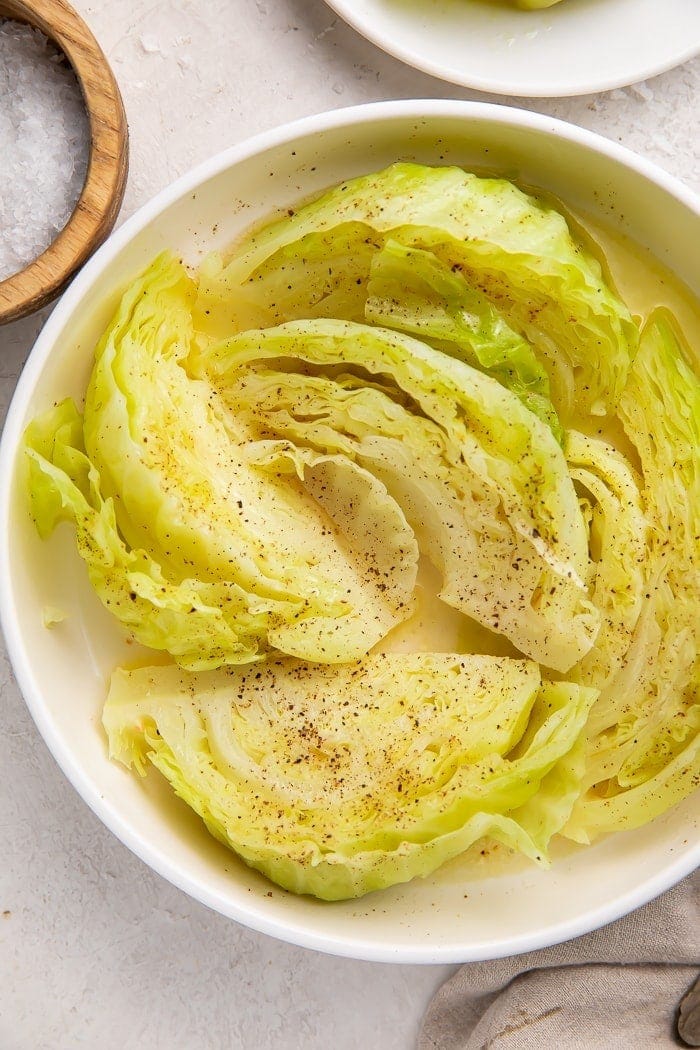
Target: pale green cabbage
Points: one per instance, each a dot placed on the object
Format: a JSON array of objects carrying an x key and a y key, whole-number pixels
[
  {"x": 511, "y": 248},
  {"x": 274, "y": 451},
  {"x": 482, "y": 481},
  {"x": 191, "y": 545},
  {"x": 643, "y": 740},
  {"x": 338, "y": 781}
]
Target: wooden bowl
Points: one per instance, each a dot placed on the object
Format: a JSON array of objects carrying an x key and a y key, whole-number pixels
[{"x": 96, "y": 211}]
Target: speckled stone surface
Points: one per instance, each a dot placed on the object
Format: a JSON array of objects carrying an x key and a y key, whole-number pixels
[{"x": 95, "y": 950}]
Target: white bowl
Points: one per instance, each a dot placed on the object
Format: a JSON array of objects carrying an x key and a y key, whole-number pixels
[
  {"x": 457, "y": 914},
  {"x": 575, "y": 48}
]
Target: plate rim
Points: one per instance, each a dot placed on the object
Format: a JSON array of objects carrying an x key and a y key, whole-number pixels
[{"x": 513, "y": 89}]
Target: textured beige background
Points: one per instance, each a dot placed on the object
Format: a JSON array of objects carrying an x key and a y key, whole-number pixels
[{"x": 95, "y": 950}]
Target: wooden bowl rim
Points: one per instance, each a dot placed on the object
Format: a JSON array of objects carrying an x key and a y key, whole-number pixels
[{"x": 96, "y": 210}]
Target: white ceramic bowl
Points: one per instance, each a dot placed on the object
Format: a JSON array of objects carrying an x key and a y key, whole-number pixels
[
  {"x": 575, "y": 48},
  {"x": 457, "y": 914}
]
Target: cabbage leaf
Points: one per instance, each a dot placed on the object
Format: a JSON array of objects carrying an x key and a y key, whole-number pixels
[{"x": 412, "y": 291}]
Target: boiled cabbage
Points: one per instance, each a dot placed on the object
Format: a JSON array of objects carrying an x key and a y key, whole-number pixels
[
  {"x": 404, "y": 381},
  {"x": 513, "y": 249},
  {"x": 482, "y": 481},
  {"x": 188, "y": 543},
  {"x": 643, "y": 740},
  {"x": 338, "y": 781}
]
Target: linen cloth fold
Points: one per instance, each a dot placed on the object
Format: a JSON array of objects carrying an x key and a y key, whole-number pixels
[{"x": 616, "y": 988}]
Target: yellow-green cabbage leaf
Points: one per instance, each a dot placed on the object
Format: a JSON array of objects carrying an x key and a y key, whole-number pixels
[{"x": 337, "y": 781}]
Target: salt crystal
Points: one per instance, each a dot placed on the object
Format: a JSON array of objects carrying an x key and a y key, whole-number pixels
[
  {"x": 150, "y": 45},
  {"x": 44, "y": 140}
]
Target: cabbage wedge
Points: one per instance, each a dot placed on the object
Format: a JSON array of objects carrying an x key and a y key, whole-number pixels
[
  {"x": 192, "y": 546},
  {"x": 643, "y": 751},
  {"x": 482, "y": 480},
  {"x": 340, "y": 781},
  {"x": 512, "y": 248}
]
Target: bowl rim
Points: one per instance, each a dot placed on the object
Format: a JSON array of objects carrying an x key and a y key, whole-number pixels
[{"x": 249, "y": 914}]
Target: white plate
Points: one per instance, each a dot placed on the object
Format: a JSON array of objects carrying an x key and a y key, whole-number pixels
[
  {"x": 577, "y": 47},
  {"x": 458, "y": 914}
]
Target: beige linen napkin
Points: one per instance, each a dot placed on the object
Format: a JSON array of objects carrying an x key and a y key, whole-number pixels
[{"x": 613, "y": 989}]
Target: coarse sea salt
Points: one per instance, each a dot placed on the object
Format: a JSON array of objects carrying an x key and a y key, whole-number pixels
[{"x": 44, "y": 144}]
